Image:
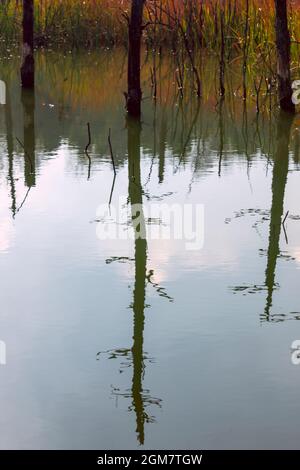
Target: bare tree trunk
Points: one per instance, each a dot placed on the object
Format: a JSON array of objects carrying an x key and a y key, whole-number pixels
[
  {"x": 27, "y": 69},
  {"x": 222, "y": 56},
  {"x": 283, "y": 44},
  {"x": 246, "y": 51},
  {"x": 134, "y": 95}
]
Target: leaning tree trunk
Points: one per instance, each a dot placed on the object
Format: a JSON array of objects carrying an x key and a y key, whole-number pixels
[
  {"x": 27, "y": 69},
  {"x": 283, "y": 45},
  {"x": 134, "y": 95}
]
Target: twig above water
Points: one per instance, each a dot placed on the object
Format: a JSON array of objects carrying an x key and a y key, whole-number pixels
[{"x": 89, "y": 136}]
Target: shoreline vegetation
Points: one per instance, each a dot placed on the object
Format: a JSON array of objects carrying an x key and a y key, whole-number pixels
[
  {"x": 205, "y": 24},
  {"x": 263, "y": 41}
]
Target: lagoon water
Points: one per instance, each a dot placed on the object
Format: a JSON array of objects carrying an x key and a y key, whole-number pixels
[{"x": 128, "y": 343}]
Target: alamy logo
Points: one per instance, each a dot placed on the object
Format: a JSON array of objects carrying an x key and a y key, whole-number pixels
[
  {"x": 2, "y": 92},
  {"x": 154, "y": 222},
  {"x": 296, "y": 353},
  {"x": 2, "y": 353}
]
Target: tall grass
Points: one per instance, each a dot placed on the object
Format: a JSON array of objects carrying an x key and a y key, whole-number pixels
[
  {"x": 97, "y": 23},
  {"x": 67, "y": 23},
  {"x": 101, "y": 22}
]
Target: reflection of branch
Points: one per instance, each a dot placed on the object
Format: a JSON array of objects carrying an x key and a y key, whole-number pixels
[
  {"x": 86, "y": 150},
  {"x": 116, "y": 354},
  {"x": 127, "y": 361},
  {"x": 23, "y": 202},
  {"x": 26, "y": 155},
  {"x": 119, "y": 259},
  {"x": 123, "y": 353},
  {"x": 221, "y": 129},
  {"x": 286, "y": 216},
  {"x": 284, "y": 228},
  {"x": 147, "y": 401},
  {"x": 111, "y": 153},
  {"x": 187, "y": 141},
  {"x": 112, "y": 190},
  {"x": 161, "y": 290}
]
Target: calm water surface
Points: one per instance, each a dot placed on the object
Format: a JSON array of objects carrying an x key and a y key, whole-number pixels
[{"x": 122, "y": 344}]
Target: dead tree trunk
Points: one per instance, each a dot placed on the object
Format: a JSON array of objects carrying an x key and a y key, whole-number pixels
[
  {"x": 283, "y": 45},
  {"x": 222, "y": 56},
  {"x": 134, "y": 95},
  {"x": 27, "y": 69}
]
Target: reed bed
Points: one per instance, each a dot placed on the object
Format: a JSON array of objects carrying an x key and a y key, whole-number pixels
[
  {"x": 233, "y": 30},
  {"x": 96, "y": 23}
]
